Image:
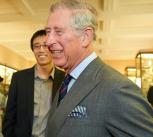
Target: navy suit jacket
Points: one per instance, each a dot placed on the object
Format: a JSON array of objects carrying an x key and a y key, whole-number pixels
[{"x": 18, "y": 119}]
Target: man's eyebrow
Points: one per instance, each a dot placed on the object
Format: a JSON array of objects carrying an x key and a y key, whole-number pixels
[
  {"x": 58, "y": 28},
  {"x": 55, "y": 28},
  {"x": 36, "y": 43}
]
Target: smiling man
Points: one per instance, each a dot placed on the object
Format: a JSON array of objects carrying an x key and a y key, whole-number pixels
[
  {"x": 100, "y": 102},
  {"x": 31, "y": 93}
]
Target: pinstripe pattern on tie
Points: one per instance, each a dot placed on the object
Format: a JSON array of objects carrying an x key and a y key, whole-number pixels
[{"x": 64, "y": 86}]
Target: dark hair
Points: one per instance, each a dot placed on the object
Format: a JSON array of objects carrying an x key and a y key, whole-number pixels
[
  {"x": 35, "y": 35},
  {"x": 150, "y": 95},
  {"x": 1, "y": 79}
]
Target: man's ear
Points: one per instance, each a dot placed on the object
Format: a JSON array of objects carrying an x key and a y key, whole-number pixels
[{"x": 87, "y": 36}]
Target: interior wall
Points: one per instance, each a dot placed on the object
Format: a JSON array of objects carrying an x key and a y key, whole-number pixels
[
  {"x": 120, "y": 65},
  {"x": 11, "y": 59}
]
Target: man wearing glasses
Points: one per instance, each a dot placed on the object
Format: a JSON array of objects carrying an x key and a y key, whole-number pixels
[{"x": 31, "y": 93}]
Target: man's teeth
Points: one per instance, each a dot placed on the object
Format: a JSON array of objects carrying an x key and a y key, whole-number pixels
[
  {"x": 56, "y": 52},
  {"x": 42, "y": 56}
]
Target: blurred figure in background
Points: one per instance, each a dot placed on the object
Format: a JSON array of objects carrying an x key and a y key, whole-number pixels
[
  {"x": 150, "y": 95},
  {"x": 1, "y": 79},
  {"x": 2, "y": 96},
  {"x": 31, "y": 93},
  {"x": 2, "y": 105}
]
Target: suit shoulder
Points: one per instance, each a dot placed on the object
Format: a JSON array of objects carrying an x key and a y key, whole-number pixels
[
  {"x": 109, "y": 74},
  {"x": 24, "y": 71},
  {"x": 59, "y": 72}
]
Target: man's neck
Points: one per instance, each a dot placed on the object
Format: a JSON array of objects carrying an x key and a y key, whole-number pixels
[{"x": 44, "y": 71}]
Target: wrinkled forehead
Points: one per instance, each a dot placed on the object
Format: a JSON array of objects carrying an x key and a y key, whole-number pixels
[{"x": 59, "y": 17}]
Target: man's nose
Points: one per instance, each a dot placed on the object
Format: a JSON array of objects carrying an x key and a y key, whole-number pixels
[{"x": 50, "y": 40}]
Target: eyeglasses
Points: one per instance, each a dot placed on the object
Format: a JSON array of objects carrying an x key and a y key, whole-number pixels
[{"x": 38, "y": 47}]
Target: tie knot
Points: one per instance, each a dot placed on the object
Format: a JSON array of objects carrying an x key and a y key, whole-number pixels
[{"x": 67, "y": 79}]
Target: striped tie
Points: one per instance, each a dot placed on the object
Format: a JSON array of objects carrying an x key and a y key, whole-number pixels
[{"x": 64, "y": 86}]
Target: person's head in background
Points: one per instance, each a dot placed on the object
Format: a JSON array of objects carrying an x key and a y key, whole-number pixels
[
  {"x": 70, "y": 31},
  {"x": 1, "y": 79},
  {"x": 150, "y": 95},
  {"x": 40, "y": 49}
]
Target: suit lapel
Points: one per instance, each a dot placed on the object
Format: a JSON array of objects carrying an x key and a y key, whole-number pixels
[
  {"x": 30, "y": 93},
  {"x": 81, "y": 88}
]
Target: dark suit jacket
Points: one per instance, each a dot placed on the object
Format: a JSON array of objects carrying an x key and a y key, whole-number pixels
[
  {"x": 104, "y": 103},
  {"x": 18, "y": 118}
]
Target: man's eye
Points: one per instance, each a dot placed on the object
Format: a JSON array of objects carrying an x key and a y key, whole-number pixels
[
  {"x": 59, "y": 32},
  {"x": 36, "y": 46},
  {"x": 47, "y": 32}
]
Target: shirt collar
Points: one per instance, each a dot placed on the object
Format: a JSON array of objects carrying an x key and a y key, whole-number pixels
[
  {"x": 78, "y": 70},
  {"x": 36, "y": 74}
]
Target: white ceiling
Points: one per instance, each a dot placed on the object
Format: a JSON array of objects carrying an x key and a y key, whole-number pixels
[{"x": 125, "y": 26}]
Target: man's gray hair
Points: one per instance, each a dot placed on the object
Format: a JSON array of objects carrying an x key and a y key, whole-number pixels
[{"x": 83, "y": 14}]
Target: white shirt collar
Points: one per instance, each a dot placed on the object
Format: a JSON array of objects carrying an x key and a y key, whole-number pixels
[{"x": 78, "y": 70}]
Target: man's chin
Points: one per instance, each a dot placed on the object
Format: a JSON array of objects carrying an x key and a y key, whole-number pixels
[
  {"x": 43, "y": 63},
  {"x": 60, "y": 66},
  {"x": 59, "y": 63}
]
